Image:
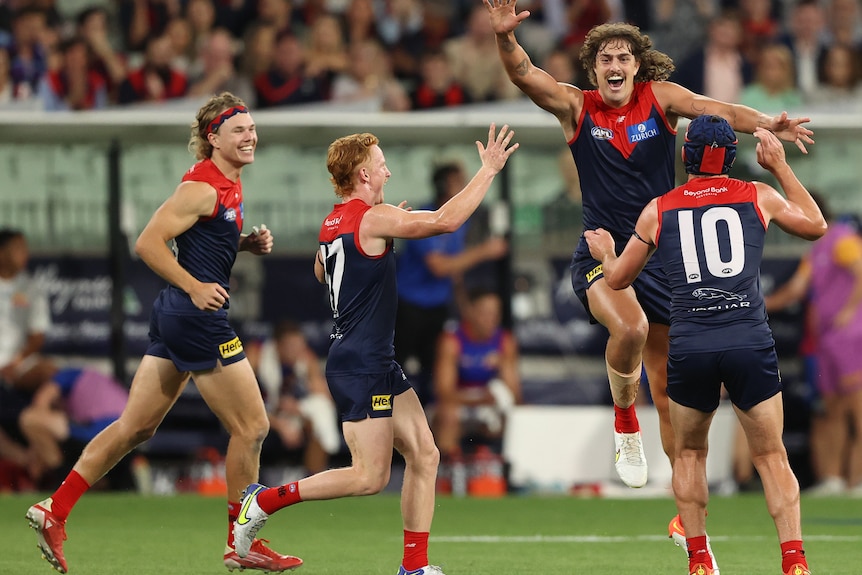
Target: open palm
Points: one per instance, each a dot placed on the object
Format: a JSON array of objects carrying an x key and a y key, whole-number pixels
[{"x": 503, "y": 16}]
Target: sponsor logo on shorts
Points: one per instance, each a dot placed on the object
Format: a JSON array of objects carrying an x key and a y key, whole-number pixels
[
  {"x": 591, "y": 275},
  {"x": 230, "y": 348},
  {"x": 230, "y": 215},
  {"x": 381, "y": 402}
]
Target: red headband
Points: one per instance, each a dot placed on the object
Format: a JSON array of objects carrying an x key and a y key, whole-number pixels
[{"x": 225, "y": 116}]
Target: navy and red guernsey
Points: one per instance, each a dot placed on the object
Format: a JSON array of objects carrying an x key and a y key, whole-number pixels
[
  {"x": 625, "y": 158},
  {"x": 362, "y": 294},
  {"x": 208, "y": 249},
  {"x": 717, "y": 301}
]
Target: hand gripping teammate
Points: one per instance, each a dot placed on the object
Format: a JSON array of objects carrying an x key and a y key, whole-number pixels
[
  {"x": 623, "y": 137},
  {"x": 708, "y": 235}
]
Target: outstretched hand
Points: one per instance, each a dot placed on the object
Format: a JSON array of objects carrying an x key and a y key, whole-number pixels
[
  {"x": 504, "y": 19},
  {"x": 498, "y": 150},
  {"x": 770, "y": 151},
  {"x": 792, "y": 130}
]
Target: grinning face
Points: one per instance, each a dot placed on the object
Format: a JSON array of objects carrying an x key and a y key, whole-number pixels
[
  {"x": 236, "y": 140},
  {"x": 616, "y": 68}
]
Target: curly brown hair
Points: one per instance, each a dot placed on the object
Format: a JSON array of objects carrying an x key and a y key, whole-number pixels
[
  {"x": 344, "y": 156},
  {"x": 654, "y": 65},
  {"x": 199, "y": 145}
]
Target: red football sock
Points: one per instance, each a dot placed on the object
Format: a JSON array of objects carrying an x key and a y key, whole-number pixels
[
  {"x": 626, "y": 419},
  {"x": 68, "y": 494},
  {"x": 232, "y": 513},
  {"x": 415, "y": 550},
  {"x": 275, "y": 498},
  {"x": 698, "y": 552},
  {"x": 791, "y": 554}
]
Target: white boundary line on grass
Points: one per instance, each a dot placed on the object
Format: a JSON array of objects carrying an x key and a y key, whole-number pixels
[{"x": 618, "y": 539}]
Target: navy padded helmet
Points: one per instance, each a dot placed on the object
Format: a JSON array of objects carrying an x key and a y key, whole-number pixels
[{"x": 710, "y": 146}]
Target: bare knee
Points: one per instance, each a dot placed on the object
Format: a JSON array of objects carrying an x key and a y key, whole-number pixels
[
  {"x": 371, "y": 481},
  {"x": 630, "y": 334},
  {"x": 139, "y": 432},
  {"x": 424, "y": 456},
  {"x": 626, "y": 344},
  {"x": 251, "y": 432}
]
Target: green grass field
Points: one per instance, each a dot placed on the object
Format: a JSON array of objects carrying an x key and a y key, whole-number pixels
[{"x": 112, "y": 534}]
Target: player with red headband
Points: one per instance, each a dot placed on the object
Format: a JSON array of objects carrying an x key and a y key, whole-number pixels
[
  {"x": 189, "y": 332},
  {"x": 708, "y": 236}
]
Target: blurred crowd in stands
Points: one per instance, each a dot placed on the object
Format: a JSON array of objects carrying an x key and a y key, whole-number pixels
[{"x": 400, "y": 55}]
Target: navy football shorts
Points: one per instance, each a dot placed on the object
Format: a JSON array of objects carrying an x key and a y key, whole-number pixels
[
  {"x": 749, "y": 375},
  {"x": 361, "y": 395},
  {"x": 651, "y": 286},
  {"x": 194, "y": 340}
]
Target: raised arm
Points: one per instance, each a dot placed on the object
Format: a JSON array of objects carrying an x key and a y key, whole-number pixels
[
  {"x": 798, "y": 213},
  {"x": 561, "y": 100},
  {"x": 679, "y": 101},
  {"x": 385, "y": 221}
]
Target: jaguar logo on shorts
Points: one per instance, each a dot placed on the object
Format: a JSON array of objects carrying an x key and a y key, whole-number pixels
[
  {"x": 381, "y": 402},
  {"x": 594, "y": 272},
  {"x": 230, "y": 348}
]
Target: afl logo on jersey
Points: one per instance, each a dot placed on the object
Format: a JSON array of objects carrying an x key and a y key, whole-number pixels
[
  {"x": 600, "y": 133},
  {"x": 230, "y": 215},
  {"x": 642, "y": 131}
]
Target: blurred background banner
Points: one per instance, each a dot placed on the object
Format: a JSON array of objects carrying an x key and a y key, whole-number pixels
[
  {"x": 84, "y": 185},
  {"x": 79, "y": 293}
]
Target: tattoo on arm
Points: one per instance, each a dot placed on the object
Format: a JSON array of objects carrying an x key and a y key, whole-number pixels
[
  {"x": 521, "y": 68},
  {"x": 508, "y": 46}
]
